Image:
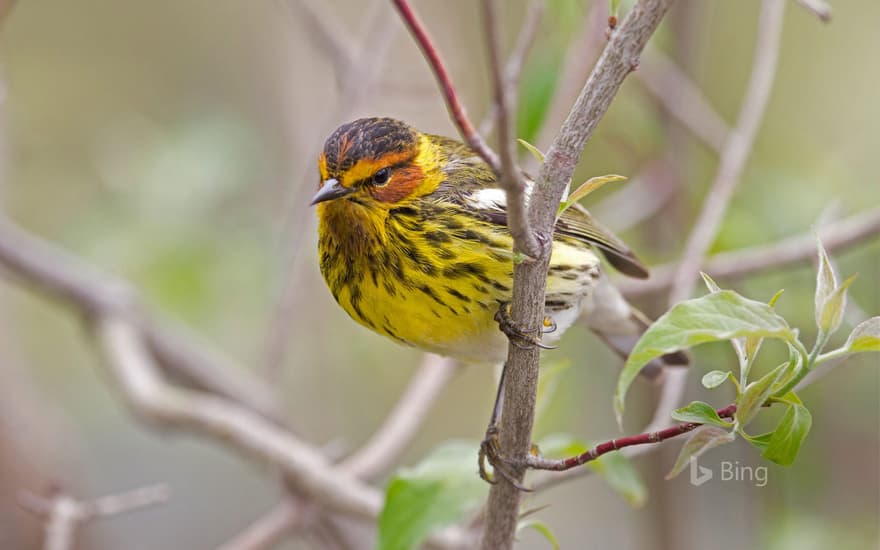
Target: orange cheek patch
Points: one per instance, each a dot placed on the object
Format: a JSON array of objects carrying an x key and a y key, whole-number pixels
[{"x": 403, "y": 182}]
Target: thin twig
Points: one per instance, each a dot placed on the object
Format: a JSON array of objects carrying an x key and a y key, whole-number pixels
[
  {"x": 647, "y": 438},
  {"x": 819, "y": 7},
  {"x": 510, "y": 177},
  {"x": 620, "y": 57},
  {"x": 63, "y": 514},
  {"x": 787, "y": 252},
  {"x": 92, "y": 293},
  {"x": 450, "y": 95},
  {"x": 268, "y": 530},
  {"x": 516, "y": 60},
  {"x": 736, "y": 149},
  {"x": 404, "y": 421}
]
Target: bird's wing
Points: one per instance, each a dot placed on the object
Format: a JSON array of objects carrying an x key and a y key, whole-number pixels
[{"x": 490, "y": 204}]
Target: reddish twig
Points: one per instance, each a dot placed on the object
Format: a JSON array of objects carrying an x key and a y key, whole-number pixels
[
  {"x": 453, "y": 103},
  {"x": 562, "y": 464}
]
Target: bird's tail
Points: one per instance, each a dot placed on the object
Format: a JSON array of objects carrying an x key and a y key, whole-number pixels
[{"x": 608, "y": 314}]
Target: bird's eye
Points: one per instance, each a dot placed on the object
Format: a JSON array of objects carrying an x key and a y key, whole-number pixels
[{"x": 382, "y": 176}]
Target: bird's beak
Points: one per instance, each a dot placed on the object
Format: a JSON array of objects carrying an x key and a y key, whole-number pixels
[{"x": 331, "y": 189}]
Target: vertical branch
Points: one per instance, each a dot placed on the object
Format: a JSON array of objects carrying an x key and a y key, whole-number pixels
[
  {"x": 509, "y": 176},
  {"x": 620, "y": 57}
]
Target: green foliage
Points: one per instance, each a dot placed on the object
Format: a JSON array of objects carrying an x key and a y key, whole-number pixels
[
  {"x": 437, "y": 492},
  {"x": 721, "y": 315},
  {"x": 701, "y": 413},
  {"x": 865, "y": 337},
  {"x": 542, "y": 528},
  {"x": 725, "y": 315},
  {"x": 586, "y": 188},
  {"x": 702, "y": 439}
]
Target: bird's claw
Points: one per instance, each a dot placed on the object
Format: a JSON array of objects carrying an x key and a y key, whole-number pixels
[
  {"x": 521, "y": 337},
  {"x": 491, "y": 454}
]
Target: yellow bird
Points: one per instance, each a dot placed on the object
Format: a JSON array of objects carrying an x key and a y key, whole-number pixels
[{"x": 414, "y": 245}]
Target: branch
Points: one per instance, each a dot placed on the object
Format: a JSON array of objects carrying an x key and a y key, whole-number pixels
[
  {"x": 517, "y": 59},
  {"x": 509, "y": 176},
  {"x": 647, "y": 438},
  {"x": 736, "y": 149},
  {"x": 269, "y": 530},
  {"x": 736, "y": 264},
  {"x": 617, "y": 61},
  {"x": 818, "y": 7},
  {"x": 93, "y": 293},
  {"x": 456, "y": 108},
  {"x": 404, "y": 421},
  {"x": 64, "y": 514}
]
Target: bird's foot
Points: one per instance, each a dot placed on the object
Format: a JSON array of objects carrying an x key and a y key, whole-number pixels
[
  {"x": 520, "y": 336},
  {"x": 490, "y": 454}
]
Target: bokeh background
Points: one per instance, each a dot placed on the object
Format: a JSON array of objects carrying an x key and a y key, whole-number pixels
[{"x": 173, "y": 143}]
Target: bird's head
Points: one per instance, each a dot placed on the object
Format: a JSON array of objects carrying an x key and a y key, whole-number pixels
[{"x": 376, "y": 163}]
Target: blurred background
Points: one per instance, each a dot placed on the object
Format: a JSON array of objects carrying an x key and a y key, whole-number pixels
[{"x": 174, "y": 144}]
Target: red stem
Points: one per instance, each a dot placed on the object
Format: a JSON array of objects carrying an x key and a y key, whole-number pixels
[
  {"x": 456, "y": 108},
  {"x": 540, "y": 463}
]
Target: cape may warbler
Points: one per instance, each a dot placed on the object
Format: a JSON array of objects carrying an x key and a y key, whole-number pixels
[{"x": 414, "y": 245}]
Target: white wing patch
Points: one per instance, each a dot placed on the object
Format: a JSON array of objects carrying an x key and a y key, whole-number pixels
[{"x": 494, "y": 198}]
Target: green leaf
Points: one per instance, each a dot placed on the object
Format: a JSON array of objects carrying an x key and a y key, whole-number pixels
[
  {"x": 865, "y": 337},
  {"x": 755, "y": 394},
  {"x": 593, "y": 184},
  {"x": 775, "y": 298},
  {"x": 585, "y": 189},
  {"x": 533, "y": 150},
  {"x": 700, "y": 413},
  {"x": 786, "y": 440},
  {"x": 702, "y": 439},
  {"x": 722, "y": 315},
  {"x": 441, "y": 490},
  {"x": 541, "y": 528},
  {"x": 710, "y": 282},
  {"x": 759, "y": 441},
  {"x": 826, "y": 280},
  {"x": 614, "y": 7},
  {"x": 831, "y": 314},
  {"x": 614, "y": 468},
  {"x": 715, "y": 378}
]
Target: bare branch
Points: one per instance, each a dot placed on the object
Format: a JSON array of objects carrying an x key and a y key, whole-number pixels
[
  {"x": 683, "y": 99},
  {"x": 516, "y": 60},
  {"x": 620, "y": 57},
  {"x": 269, "y": 530},
  {"x": 736, "y": 264},
  {"x": 646, "y": 438},
  {"x": 64, "y": 514},
  {"x": 92, "y": 293},
  {"x": 155, "y": 402},
  {"x": 736, "y": 149},
  {"x": 404, "y": 421},
  {"x": 450, "y": 95},
  {"x": 509, "y": 176},
  {"x": 820, "y": 7}
]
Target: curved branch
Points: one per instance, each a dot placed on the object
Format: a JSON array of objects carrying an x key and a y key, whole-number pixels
[{"x": 450, "y": 95}]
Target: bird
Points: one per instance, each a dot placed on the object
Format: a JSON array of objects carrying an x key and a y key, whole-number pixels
[{"x": 413, "y": 244}]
